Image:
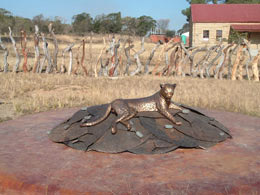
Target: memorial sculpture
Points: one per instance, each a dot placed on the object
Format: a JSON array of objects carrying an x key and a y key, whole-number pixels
[
  {"x": 128, "y": 108},
  {"x": 149, "y": 125}
]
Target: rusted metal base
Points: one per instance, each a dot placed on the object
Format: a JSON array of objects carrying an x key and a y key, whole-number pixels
[
  {"x": 32, "y": 164},
  {"x": 150, "y": 133}
]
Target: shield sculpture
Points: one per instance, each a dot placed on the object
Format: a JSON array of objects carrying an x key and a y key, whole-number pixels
[{"x": 151, "y": 132}]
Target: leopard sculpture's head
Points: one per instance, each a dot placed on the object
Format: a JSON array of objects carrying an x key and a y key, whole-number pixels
[{"x": 167, "y": 90}]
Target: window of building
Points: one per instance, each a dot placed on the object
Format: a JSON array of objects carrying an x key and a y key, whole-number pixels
[
  {"x": 218, "y": 35},
  {"x": 206, "y": 35}
]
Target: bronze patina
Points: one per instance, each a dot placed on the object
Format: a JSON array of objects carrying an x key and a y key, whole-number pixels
[
  {"x": 128, "y": 108},
  {"x": 149, "y": 125}
]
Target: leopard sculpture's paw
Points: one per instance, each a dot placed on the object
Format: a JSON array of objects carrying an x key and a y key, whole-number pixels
[
  {"x": 113, "y": 130},
  {"x": 178, "y": 123}
]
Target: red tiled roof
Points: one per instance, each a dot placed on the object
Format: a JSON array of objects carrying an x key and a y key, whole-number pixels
[
  {"x": 240, "y": 13},
  {"x": 246, "y": 28}
]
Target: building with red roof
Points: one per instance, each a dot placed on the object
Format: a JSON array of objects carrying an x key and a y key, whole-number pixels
[{"x": 210, "y": 23}]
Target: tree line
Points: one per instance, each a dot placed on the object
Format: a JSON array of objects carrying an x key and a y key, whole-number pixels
[{"x": 81, "y": 23}]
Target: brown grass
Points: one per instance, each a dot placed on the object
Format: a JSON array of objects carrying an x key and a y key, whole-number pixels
[{"x": 30, "y": 93}]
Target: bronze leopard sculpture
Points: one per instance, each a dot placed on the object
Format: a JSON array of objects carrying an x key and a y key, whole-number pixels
[{"x": 128, "y": 108}]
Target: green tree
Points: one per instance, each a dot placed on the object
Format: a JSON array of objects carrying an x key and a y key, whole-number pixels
[
  {"x": 111, "y": 23},
  {"x": 67, "y": 28},
  {"x": 22, "y": 23},
  {"x": 41, "y": 22},
  {"x": 4, "y": 12},
  {"x": 114, "y": 23},
  {"x": 18, "y": 23},
  {"x": 129, "y": 25},
  {"x": 170, "y": 33},
  {"x": 97, "y": 23},
  {"x": 82, "y": 23},
  {"x": 59, "y": 25},
  {"x": 237, "y": 37},
  {"x": 144, "y": 25},
  {"x": 6, "y": 19}
]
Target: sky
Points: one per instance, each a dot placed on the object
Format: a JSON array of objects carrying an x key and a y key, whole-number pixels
[{"x": 157, "y": 9}]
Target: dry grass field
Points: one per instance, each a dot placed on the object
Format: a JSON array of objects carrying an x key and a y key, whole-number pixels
[
  {"x": 25, "y": 93},
  {"x": 29, "y": 93}
]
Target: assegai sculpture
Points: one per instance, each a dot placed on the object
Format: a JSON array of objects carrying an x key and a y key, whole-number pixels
[{"x": 149, "y": 125}]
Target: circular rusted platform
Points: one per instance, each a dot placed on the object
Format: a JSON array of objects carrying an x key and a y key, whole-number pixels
[{"x": 32, "y": 164}]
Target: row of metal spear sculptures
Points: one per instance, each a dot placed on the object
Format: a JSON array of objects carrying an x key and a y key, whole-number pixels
[
  {"x": 38, "y": 66},
  {"x": 218, "y": 61}
]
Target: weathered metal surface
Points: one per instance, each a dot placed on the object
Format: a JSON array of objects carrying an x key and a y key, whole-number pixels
[
  {"x": 197, "y": 131},
  {"x": 30, "y": 163},
  {"x": 126, "y": 109}
]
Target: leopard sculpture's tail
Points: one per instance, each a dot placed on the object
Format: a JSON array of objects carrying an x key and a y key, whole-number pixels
[{"x": 99, "y": 120}]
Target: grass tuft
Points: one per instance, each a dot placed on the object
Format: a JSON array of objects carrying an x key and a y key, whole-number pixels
[{"x": 30, "y": 93}]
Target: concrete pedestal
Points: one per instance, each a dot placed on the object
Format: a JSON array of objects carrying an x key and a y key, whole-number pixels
[{"x": 32, "y": 164}]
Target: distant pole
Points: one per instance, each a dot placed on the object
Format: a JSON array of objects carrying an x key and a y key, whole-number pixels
[
  {"x": 24, "y": 50},
  {"x": 56, "y": 48},
  {"x": 37, "y": 51},
  {"x": 6, "y": 53},
  {"x": 18, "y": 59}
]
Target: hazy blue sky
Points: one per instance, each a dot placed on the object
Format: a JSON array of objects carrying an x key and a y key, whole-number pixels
[{"x": 158, "y": 9}]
